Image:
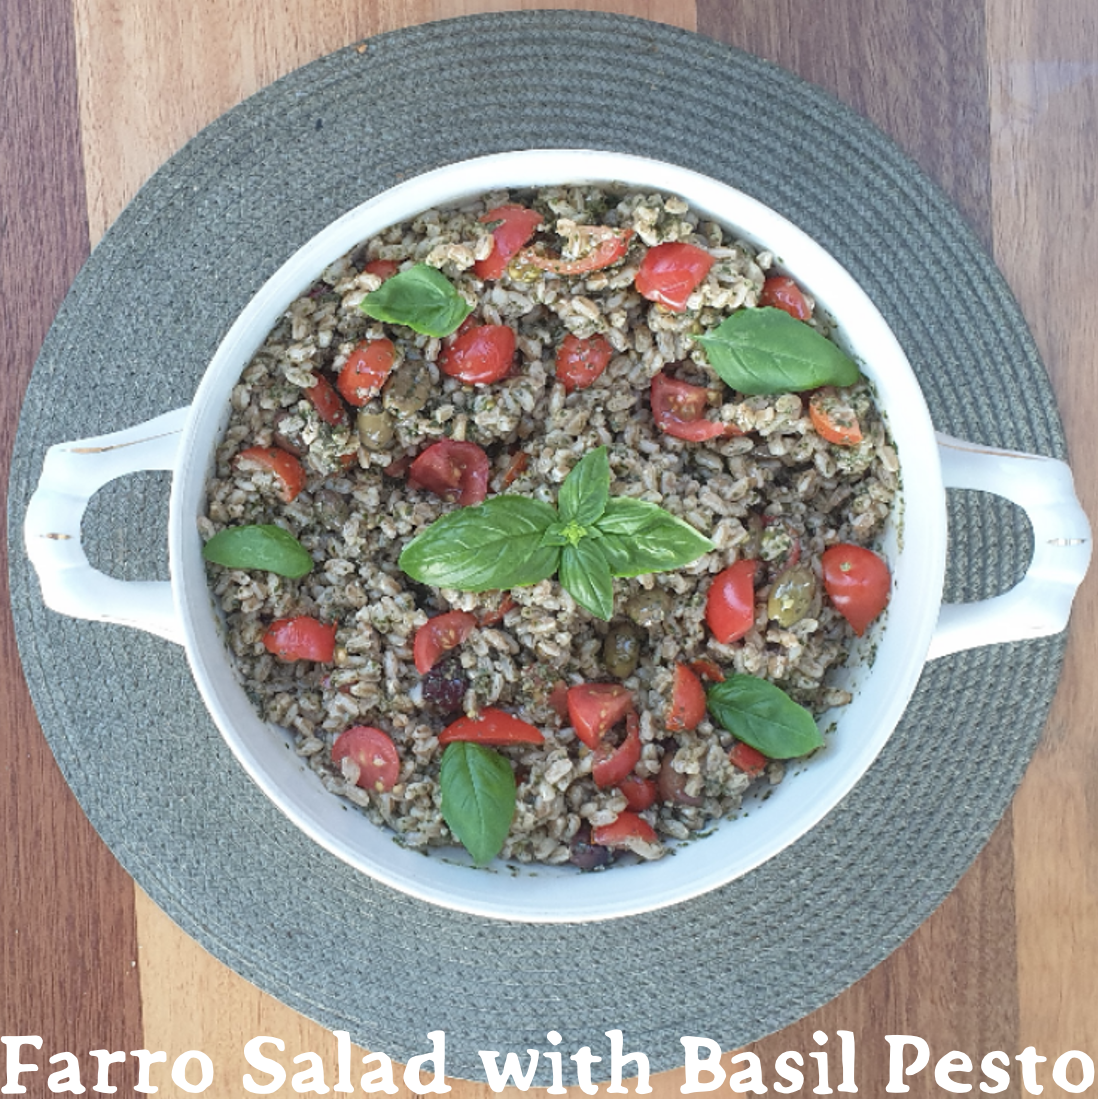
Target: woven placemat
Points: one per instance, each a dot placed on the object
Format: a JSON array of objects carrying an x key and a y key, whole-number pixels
[{"x": 124, "y": 718}]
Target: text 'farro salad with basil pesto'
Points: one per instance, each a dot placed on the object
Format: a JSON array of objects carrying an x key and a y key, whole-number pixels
[{"x": 541, "y": 521}]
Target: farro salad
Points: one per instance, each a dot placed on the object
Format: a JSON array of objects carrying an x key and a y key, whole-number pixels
[{"x": 541, "y": 522}]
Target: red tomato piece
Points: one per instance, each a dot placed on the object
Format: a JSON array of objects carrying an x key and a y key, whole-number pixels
[
  {"x": 375, "y": 754},
  {"x": 671, "y": 272},
  {"x": 383, "y": 269},
  {"x": 398, "y": 467},
  {"x": 326, "y": 402},
  {"x": 833, "y": 418},
  {"x": 858, "y": 583},
  {"x": 580, "y": 362},
  {"x": 479, "y": 355},
  {"x": 453, "y": 470},
  {"x": 302, "y": 638},
  {"x": 748, "y": 759},
  {"x": 366, "y": 370},
  {"x": 491, "y": 618},
  {"x": 516, "y": 226},
  {"x": 730, "y": 602},
  {"x": 705, "y": 669},
  {"x": 626, "y": 827},
  {"x": 286, "y": 468},
  {"x": 679, "y": 409},
  {"x": 612, "y": 764},
  {"x": 640, "y": 793},
  {"x": 516, "y": 467},
  {"x": 492, "y": 727},
  {"x": 595, "y": 708},
  {"x": 438, "y": 634},
  {"x": 558, "y": 700},
  {"x": 687, "y": 700},
  {"x": 781, "y": 292},
  {"x": 604, "y": 246}
]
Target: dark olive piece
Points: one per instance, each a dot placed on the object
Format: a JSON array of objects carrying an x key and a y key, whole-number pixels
[
  {"x": 791, "y": 595},
  {"x": 621, "y": 650}
]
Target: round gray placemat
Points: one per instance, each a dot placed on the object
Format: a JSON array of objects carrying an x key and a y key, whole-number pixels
[{"x": 123, "y": 716}]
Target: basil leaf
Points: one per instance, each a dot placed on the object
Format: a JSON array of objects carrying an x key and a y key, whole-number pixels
[
  {"x": 641, "y": 537},
  {"x": 585, "y": 574},
  {"x": 497, "y": 544},
  {"x": 760, "y": 714},
  {"x": 420, "y": 297},
  {"x": 478, "y": 797},
  {"x": 766, "y": 351},
  {"x": 583, "y": 496},
  {"x": 555, "y": 536},
  {"x": 264, "y": 546}
]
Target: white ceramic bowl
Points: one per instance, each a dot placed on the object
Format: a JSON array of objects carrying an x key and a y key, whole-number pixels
[{"x": 916, "y": 628}]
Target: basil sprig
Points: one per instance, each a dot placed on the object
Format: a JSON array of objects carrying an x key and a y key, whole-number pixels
[
  {"x": 420, "y": 297},
  {"x": 262, "y": 546},
  {"x": 478, "y": 797},
  {"x": 589, "y": 538},
  {"x": 761, "y": 715},
  {"x": 767, "y": 351}
]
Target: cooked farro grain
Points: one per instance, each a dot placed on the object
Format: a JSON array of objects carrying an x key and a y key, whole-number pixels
[{"x": 775, "y": 491}]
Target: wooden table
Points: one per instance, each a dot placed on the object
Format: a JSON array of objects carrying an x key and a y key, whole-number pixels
[{"x": 998, "y": 101}]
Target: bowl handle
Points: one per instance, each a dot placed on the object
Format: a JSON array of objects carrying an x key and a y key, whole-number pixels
[
  {"x": 71, "y": 474},
  {"x": 1039, "y": 604}
]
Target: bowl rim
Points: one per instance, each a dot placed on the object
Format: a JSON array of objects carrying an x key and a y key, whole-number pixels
[{"x": 531, "y": 893}]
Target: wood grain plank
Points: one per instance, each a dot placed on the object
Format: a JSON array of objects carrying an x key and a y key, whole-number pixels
[
  {"x": 1044, "y": 99},
  {"x": 877, "y": 56},
  {"x": 155, "y": 118},
  {"x": 150, "y": 78},
  {"x": 68, "y": 942},
  {"x": 945, "y": 984},
  {"x": 192, "y": 1001},
  {"x": 953, "y": 983}
]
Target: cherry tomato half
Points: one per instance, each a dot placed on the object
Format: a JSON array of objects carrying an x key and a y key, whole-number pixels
[
  {"x": 375, "y": 754},
  {"x": 491, "y": 727},
  {"x": 612, "y": 764},
  {"x": 516, "y": 226},
  {"x": 730, "y": 603},
  {"x": 747, "y": 759},
  {"x": 671, "y": 272},
  {"x": 366, "y": 370},
  {"x": 705, "y": 669},
  {"x": 439, "y": 634},
  {"x": 326, "y": 401},
  {"x": 687, "y": 700},
  {"x": 480, "y": 354},
  {"x": 858, "y": 583},
  {"x": 302, "y": 638},
  {"x": 639, "y": 793},
  {"x": 453, "y": 470},
  {"x": 580, "y": 362},
  {"x": 383, "y": 269},
  {"x": 492, "y": 618},
  {"x": 679, "y": 409},
  {"x": 626, "y": 827},
  {"x": 833, "y": 418},
  {"x": 595, "y": 708},
  {"x": 558, "y": 700},
  {"x": 287, "y": 470},
  {"x": 781, "y": 292},
  {"x": 602, "y": 246}
]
